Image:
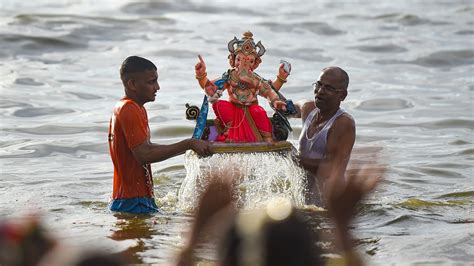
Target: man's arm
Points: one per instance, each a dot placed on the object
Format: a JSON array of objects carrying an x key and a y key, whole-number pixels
[
  {"x": 339, "y": 145},
  {"x": 303, "y": 108},
  {"x": 148, "y": 152}
]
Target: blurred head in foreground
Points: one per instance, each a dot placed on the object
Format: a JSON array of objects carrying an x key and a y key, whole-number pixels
[{"x": 277, "y": 235}]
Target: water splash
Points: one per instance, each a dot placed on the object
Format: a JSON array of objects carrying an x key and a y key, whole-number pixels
[{"x": 262, "y": 177}]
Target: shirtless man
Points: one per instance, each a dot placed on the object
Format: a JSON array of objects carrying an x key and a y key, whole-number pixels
[
  {"x": 328, "y": 132},
  {"x": 129, "y": 140}
]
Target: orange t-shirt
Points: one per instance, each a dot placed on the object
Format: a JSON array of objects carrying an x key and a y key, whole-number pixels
[{"x": 128, "y": 129}]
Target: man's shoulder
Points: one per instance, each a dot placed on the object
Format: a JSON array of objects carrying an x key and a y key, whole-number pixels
[
  {"x": 344, "y": 122},
  {"x": 345, "y": 116},
  {"x": 127, "y": 107},
  {"x": 126, "y": 104},
  {"x": 306, "y": 108}
]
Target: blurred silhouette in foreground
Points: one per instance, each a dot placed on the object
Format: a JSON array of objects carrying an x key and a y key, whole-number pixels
[
  {"x": 27, "y": 243},
  {"x": 277, "y": 235},
  {"x": 23, "y": 243}
]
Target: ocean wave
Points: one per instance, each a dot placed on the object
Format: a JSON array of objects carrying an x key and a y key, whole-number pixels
[
  {"x": 401, "y": 219},
  {"x": 41, "y": 111},
  {"x": 57, "y": 129},
  {"x": 29, "y": 44},
  {"x": 438, "y": 124},
  {"x": 85, "y": 96},
  {"x": 45, "y": 150},
  {"x": 306, "y": 54},
  {"x": 28, "y": 81},
  {"x": 432, "y": 171},
  {"x": 382, "y": 105},
  {"x": 175, "y": 53},
  {"x": 438, "y": 59},
  {"x": 408, "y": 19},
  {"x": 7, "y": 104},
  {"x": 402, "y": 19},
  {"x": 383, "y": 48},
  {"x": 460, "y": 194},
  {"x": 416, "y": 204},
  {"x": 320, "y": 28},
  {"x": 163, "y": 7},
  {"x": 464, "y": 32}
]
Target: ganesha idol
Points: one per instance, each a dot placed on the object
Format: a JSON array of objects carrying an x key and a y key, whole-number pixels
[{"x": 241, "y": 118}]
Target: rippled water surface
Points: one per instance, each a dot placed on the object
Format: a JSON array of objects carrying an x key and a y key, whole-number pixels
[{"x": 411, "y": 94}]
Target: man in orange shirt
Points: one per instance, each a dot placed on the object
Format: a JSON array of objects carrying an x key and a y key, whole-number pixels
[{"x": 129, "y": 140}]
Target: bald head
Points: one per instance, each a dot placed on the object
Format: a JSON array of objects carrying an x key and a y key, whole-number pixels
[{"x": 341, "y": 75}]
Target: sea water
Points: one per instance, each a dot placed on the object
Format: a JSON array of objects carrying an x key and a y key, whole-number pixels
[{"x": 411, "y": 68}]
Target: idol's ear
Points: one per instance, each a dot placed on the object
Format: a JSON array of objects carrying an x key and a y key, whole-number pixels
[
  {"x": 261, "y": 49},
  {"x": 231, "y": 45},
  {"x": 231, "y": 58},
  {"x": 258, "y": 60}
]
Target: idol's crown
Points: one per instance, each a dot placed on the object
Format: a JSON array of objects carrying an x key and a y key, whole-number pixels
[{"x": 246, "y": 45}]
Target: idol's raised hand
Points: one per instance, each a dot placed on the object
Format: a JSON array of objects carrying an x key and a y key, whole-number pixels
[
  {"x": 200, "y": 68},
  {"x": 285, "y": 69},
  {"x": 202, "y": 79}
]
